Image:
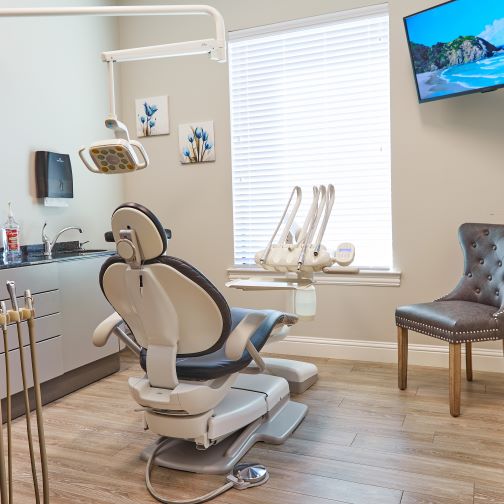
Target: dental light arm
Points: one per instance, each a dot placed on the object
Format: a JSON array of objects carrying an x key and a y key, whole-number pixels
[
  {"x": 123, "y": 155},
  {"x": 216, "y": 50}
]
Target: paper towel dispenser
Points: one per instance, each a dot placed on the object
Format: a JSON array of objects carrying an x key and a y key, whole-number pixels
[{"x": 53, "y": 172}]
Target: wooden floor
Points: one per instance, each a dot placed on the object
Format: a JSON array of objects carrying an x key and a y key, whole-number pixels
[{"x": 363, "y": 442}]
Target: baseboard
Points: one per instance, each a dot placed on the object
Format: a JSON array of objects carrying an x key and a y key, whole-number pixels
[{"x": 484, "y": 359}]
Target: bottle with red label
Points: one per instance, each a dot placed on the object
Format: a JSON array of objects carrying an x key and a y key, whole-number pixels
[{"x": 11, "y": 238}]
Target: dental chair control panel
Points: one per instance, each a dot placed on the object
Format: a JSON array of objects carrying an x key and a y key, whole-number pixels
[{"x": 206, "y": 390}]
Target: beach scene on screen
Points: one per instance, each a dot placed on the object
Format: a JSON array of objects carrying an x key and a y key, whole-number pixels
[{"x": 458, "y": 47}]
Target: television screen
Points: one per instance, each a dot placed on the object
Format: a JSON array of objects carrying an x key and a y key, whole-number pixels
[{"x": 457, "y": 48}]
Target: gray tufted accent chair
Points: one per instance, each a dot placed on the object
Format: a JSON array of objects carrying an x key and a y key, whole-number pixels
[{"x": 473, "y": 311}]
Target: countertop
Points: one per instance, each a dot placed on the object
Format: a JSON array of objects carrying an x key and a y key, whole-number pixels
[{"x": 66, "y": 251}]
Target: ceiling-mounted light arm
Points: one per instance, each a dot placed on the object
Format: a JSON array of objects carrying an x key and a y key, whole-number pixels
[
  {"x": 215, "y": 47},
  {"x": 111, "y": 89},
  {"x": 211, "y": 47}
]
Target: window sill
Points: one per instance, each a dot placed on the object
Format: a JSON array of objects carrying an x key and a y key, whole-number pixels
[{"x": 365, "y": 277}]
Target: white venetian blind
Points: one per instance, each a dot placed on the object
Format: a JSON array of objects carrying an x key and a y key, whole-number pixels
[{"x": 310, "y": 105}]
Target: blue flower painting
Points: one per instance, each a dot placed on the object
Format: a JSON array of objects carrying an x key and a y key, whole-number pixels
[
  {"x": 152, "y": 116},
  {"x": 197, "y": 142}
]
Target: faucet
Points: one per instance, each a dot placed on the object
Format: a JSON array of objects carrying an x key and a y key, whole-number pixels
[{"x": 48, "y": 244}]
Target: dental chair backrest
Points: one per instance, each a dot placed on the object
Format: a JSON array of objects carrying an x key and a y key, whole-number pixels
[{"x": 171, "y": 308}]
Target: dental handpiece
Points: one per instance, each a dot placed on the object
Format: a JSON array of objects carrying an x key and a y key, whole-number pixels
[
  {"x": 28, "y": 299},
  {"x": 11, "y": 289}
]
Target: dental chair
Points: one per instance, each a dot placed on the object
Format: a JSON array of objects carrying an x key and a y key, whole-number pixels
[{"x": 206, "y": 390}]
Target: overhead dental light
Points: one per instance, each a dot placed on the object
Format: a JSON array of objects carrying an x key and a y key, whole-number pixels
[{"x": 121, "y": 154}]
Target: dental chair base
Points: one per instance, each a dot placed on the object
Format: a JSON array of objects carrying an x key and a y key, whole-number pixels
[
  {"x": 299, "y": 375},
  {"x": 273, "y": 427},
  {"x": 256, "y": 408}
]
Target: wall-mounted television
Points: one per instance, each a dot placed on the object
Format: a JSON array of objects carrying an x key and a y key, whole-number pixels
[{"x": 457, "y": 48}]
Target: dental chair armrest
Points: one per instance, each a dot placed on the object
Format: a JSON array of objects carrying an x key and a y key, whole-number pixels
[
  {"x": 104, "y": 330},
  {"x": 241, "y": 334}
]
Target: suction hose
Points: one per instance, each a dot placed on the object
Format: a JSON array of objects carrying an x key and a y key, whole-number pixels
[
  {"x": 11, "y": 288},
  {"x": 38, "y": 398},
  {"x": 4, "y": 485}
]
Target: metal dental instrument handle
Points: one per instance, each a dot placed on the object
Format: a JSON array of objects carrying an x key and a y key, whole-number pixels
[
  {"x": 3, "y": 475},
  {"x": 327, "y": 215},
  {"x": 38, "y": 398},
  {"x": 297, "y": 191},
  {"x": 309, "y": 216},
  {"x": 11, "y": 289},
  {"x": 292, "y": 216},
  {"x": 319, "y": 196},
  {"x": 8, "y": 400}
]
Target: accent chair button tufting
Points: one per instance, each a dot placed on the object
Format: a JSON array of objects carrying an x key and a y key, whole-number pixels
[
  {"x": 494, "y": 247},
  {"x": 474, "y": 244},
  {"x": 499, "y": 263},
  {"x": 478, "y": 291},
  {"x": 486, "y": 232},
  {"x": 482, "y": 261},
  {"x": 489, "y": 277},
  {"x": 469, "y": 275},
  {"x": 497, "y": 292}
]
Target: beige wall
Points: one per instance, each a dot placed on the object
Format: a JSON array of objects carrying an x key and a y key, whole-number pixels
[
  {"x": 447, "y": 167},
  {"x": 53, "y": 96}
]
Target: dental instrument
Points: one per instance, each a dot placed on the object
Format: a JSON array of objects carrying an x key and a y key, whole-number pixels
[
  {"x": 3, "y": 474},
  {"x": 15, "y": 316},
  {"x": 4, "y": 320},
  {"x": 18, "y": 315},
  {"x": 302, "y": 255},
  {"x": 29, "y": 316}
]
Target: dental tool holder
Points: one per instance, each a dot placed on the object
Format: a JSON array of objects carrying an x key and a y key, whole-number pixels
[
  {"x": 299, "y": 255},
  {"x": 11, "y": 316},
  {"x": 18, "y": 315}
]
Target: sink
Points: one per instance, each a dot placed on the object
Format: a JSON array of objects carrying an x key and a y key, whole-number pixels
[{"x": 88, "y": 251}]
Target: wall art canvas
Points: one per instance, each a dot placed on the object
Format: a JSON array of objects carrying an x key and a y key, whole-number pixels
[
  {"x": 196, "y": 142},
  {"x": 152, "y": 116}
]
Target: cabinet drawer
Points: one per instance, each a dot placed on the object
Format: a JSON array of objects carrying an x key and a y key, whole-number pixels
[
  {"x": 45, "y": 303},
  {"x": 49, "y": 359},
  {"x": 45, "y": 328},
  {"x": 39, "y": 278}
]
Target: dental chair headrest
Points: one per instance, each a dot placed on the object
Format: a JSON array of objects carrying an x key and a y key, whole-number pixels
[{"x": 150, "y": 234}]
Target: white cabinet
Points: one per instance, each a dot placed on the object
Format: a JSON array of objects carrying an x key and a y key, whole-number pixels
[
  {"x": 68, "y": 305},
  {"x": 83, "y": 307}
]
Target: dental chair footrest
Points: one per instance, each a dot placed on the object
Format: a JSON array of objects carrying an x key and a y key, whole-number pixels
[
  {"x": 274, "y": 428},
  {"x": 300, "y": 375}
]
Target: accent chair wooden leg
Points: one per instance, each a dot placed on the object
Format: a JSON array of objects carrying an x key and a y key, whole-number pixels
[
  {"x": 455, "y": 360},
  {"x": 469, "y": 368},
  {"x": 402, "y": 347}
]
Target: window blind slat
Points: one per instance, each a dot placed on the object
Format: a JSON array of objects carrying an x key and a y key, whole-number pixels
[{"x": 311, "y": 106}]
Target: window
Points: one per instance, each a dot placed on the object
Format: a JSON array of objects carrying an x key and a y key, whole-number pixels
[{"x": 310, "y": 105}]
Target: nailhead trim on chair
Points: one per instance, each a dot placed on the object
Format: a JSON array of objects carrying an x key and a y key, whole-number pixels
[
  {"x": 496, "y": 314},
  {"x": 413, "y": 325}
]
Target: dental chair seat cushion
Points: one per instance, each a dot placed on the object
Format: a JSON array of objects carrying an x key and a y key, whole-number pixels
[
  {"x": 453, "y": 321},
  {"x": 216, "y": 364}
]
